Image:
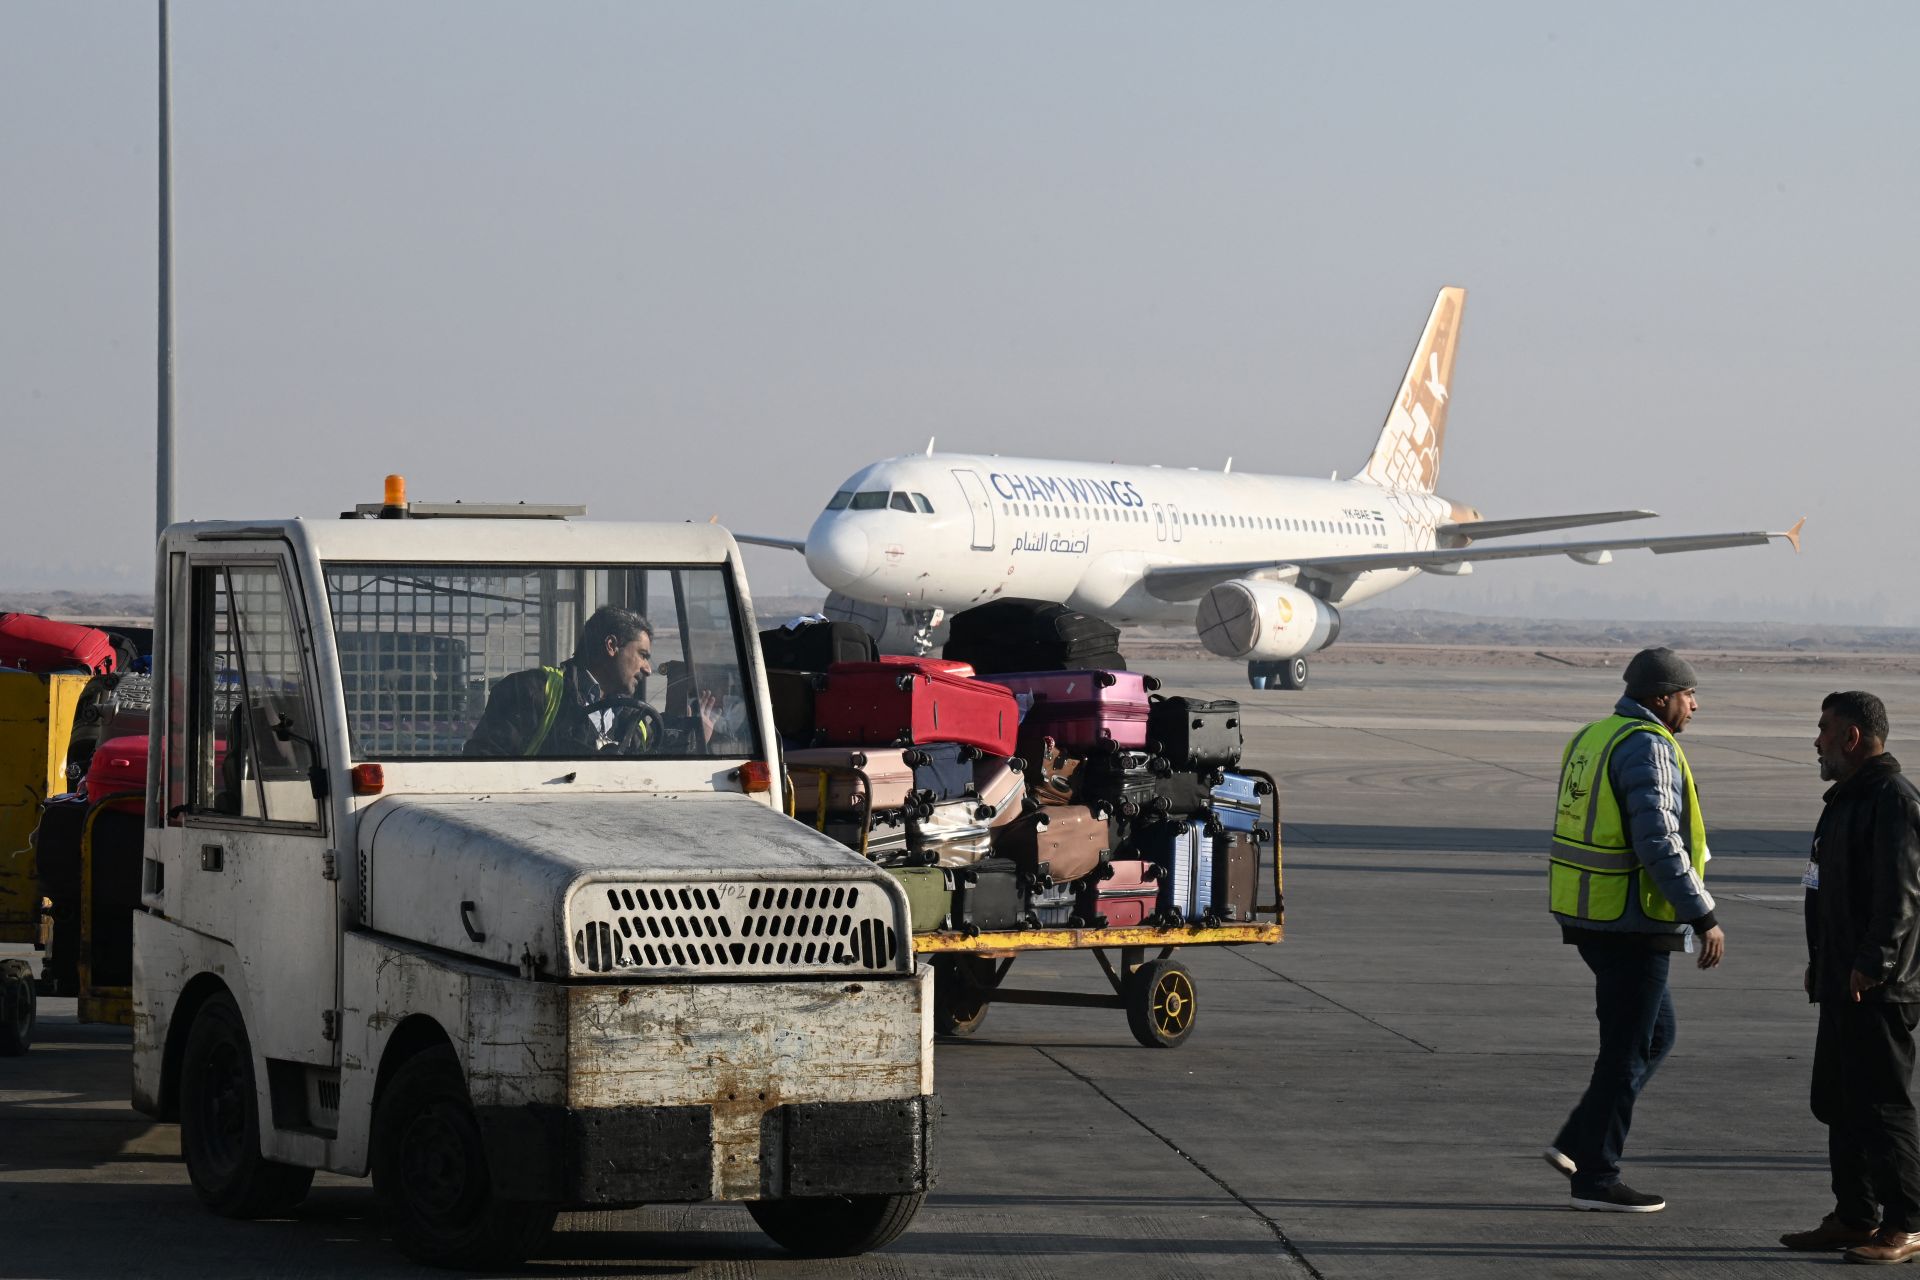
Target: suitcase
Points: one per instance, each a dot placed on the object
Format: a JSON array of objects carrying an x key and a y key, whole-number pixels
[
  {"x": 118, "y": 765},
  {"x": 949, "y": 835},
  {"x": 884, "y": 844},
  {"x": 1238, "y": 803},
  {"x": 992, "y": 895},
  {"x": 1053, "y": 778},
  {"x": 1236, "y": 876},
  {"x": 1067, "y": 842},
  {"x": 815, "y": 646},
  {"x": 873, "y": 702},
  {"x": 1130, "y": 895},
  {"x": 1001, "y": 788},
  {"x": 1031, "y": 635},
  {"x": 942, "y": 771},
  {"x": 29, "y": 642},
  {"x": 1084, "y": 710},
  {"x": 792, "y": 694},
  {"x": 1194, "y": 733},
  {"x": 1187, "y": 793},
  {"x": 888, "y": 776},
  {"x": 1122, "y": 785},
  {"x": 947, "y": 665},
  {"x": 929, "y": 896},
  {"x": 1057, "y": 907}
]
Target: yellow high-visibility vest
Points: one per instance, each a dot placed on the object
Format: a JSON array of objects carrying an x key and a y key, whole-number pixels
[{"x": 1594, "y": 866}]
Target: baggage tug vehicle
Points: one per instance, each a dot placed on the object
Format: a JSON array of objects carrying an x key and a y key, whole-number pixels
[{"x": 504, "y": 986}]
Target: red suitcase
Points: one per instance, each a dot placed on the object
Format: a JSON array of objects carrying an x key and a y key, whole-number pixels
[
  {"x": 879, "y": 702},
  {"x": 120, "y": 764},
  {"x": 1067, "y": 841},
  {"x": 951, "y": 666},
  {"x": 1130, "y": 894},
  {"x": 1083, "y": 710},
  {"x": 29, "y": 642}
]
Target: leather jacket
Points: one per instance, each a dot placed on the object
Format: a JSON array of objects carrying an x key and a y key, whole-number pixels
[{"x": 1865, "y": 914}]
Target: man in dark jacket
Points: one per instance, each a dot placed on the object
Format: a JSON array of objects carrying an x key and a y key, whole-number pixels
[
  {"x": 1863, "y": 923},
  {"x": 588, "y": 705}
]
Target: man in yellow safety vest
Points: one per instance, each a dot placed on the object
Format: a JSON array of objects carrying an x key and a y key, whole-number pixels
[
  {"x": 1627, "y": 884},
  {"x": 586, "y": 706}
]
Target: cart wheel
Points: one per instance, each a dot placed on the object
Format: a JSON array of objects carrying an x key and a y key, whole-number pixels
[
  {"x": 220, "y": 1122},
  {"x": 835, "y": 1226},
  {"x": 430, "y": 1172},
  {"x": 962, "y": 990},
  {"x": 18, "y": 1003},
  {"x": 1160, "y": 1003}
]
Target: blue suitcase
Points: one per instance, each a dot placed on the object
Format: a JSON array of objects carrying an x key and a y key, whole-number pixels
[
  {"x": 942, "y": 771},
  {"x": 1239, "y": 803}
]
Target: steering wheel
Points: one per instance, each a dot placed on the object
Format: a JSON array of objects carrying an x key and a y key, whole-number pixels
[{"x": 638, "y": 729}]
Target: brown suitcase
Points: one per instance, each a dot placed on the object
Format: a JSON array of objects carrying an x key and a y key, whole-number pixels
[
  {"x": 1066, "y": 841},
  {"x": 1236, "y": 876},
  {"x": 1053, "y": 774}
]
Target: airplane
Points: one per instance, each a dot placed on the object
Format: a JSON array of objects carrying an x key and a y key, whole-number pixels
[{"x": 1260, "y": 565}]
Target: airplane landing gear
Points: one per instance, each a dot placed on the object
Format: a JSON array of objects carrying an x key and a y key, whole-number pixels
[
  {"x": 923, "y": 621},
  {"x": 1291, "y": 674}
]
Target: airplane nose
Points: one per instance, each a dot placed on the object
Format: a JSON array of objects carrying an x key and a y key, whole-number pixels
[{"x": 837, "y": 554}]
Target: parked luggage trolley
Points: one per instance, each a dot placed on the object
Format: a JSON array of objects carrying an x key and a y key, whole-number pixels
[{"x": 1159, "y": 994}]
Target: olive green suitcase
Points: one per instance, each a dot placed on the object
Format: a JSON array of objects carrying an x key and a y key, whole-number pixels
[{"x": 929, "y": 896}]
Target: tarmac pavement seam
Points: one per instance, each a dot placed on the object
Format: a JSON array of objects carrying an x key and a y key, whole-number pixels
[
  {"x": 1321, "y": 995},
  {"x": 1279, "y": 1232}
]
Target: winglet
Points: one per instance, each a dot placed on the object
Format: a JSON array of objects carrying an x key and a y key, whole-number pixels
[
  {"x": 714, "y": 518},
  {"x": 1793, "y": 535}
]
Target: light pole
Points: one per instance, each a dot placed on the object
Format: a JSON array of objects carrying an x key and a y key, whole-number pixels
[{"x": 163, "y": 450}]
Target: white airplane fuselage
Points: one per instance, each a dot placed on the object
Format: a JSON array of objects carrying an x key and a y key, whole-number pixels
[{"x": 1086, "y": 534}]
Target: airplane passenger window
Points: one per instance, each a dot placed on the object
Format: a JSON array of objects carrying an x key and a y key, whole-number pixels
[
  {"x": 920, "y": 501},
  {"x": 901, "y": 502},
  {"x": 839, "y": 501},
  {"x": 871, "y": 501}
]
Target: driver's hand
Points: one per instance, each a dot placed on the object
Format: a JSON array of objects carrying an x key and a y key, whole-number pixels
[{"x": 709, "y": 713}]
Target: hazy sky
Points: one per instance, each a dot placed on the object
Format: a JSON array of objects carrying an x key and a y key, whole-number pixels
[{"x": 677, "y": 260}]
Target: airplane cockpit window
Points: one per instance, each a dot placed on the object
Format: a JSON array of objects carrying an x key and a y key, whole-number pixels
[
  {"x": 840, "y": 500},
  {"x": 901, "y": 502},
  {"x": 874, "y": 500},
  {"x": 920, "y": 501}
]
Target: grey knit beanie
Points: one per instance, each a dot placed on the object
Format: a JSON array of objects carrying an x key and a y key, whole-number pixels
[{"x": 1656, "y": 671}]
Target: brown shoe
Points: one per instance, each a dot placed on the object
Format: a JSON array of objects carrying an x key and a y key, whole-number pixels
[
  {"x": 1888, "y": 1247},
  {"x": 1832, "y": 1233}
]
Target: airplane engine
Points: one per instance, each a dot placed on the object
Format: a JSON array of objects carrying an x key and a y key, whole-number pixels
[{"x": 1264, "y": 621}]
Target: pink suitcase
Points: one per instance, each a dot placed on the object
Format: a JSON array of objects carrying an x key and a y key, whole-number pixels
[
  {"x": 865, "y": 702},
  {"x": 1085, "y": 710},
  {"x": 889, "y": 778},
  {"x": 1001, "y": 788},
  {"x": 1067, "y": 841},
  {"x": 1130, "y": 894},
  {"x": 29, "y": 642}
]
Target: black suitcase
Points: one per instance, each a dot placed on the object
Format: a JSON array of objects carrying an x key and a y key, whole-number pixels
[
  {"x": 1123, "y": 785},
  {"x": 992, "y": 894},
  {"x": 1194, "y": 733},
  {"x": 792, "y": 695},
  {"x": 1186, "y": 792},
  {"x": 815, "y": 646},
  {"x": 1032, "y": 635}
]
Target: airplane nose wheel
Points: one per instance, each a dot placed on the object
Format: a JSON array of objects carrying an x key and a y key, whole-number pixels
[{"x": 1291, "y": 674}]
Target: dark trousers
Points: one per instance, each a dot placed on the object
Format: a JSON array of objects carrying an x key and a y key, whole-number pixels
[
  {"x": 1635, "y": 1011},
  {"x": 1862, "y": 1092}
]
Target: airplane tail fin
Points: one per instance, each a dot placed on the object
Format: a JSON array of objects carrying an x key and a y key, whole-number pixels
[{"x": 1407, "y": 455}]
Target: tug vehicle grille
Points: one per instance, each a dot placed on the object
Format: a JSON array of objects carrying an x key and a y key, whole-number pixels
[{"x": 730, "y": 928}]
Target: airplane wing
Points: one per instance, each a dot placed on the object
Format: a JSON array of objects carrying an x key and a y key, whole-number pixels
[
  {"x": 1475, "y": 530},
  {"x": 1189, "y": 582},
  {"x": 763, "y": 540}
]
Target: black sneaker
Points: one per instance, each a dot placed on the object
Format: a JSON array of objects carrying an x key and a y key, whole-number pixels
[{"x": 1619, "y": 1198}]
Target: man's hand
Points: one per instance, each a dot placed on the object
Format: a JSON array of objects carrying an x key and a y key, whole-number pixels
[
  {"x": 1859, "y": 984},
  {"x": 1713, "y": 945}
]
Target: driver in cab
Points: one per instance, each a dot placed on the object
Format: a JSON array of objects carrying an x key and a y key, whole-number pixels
[{"x": 589, "y": 705}]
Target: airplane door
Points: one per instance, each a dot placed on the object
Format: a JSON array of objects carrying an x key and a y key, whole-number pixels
[
  {"x": 1173, "y": 521},
  {"x": 982, "y": 506},
  {"x": 1159, "y": 523}
]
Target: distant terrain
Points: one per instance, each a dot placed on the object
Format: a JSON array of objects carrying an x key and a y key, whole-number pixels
[{"x": 1431, "y": 637}]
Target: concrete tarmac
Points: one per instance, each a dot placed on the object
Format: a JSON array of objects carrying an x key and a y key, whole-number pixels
[{"x": 1368, "y": 1098}]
